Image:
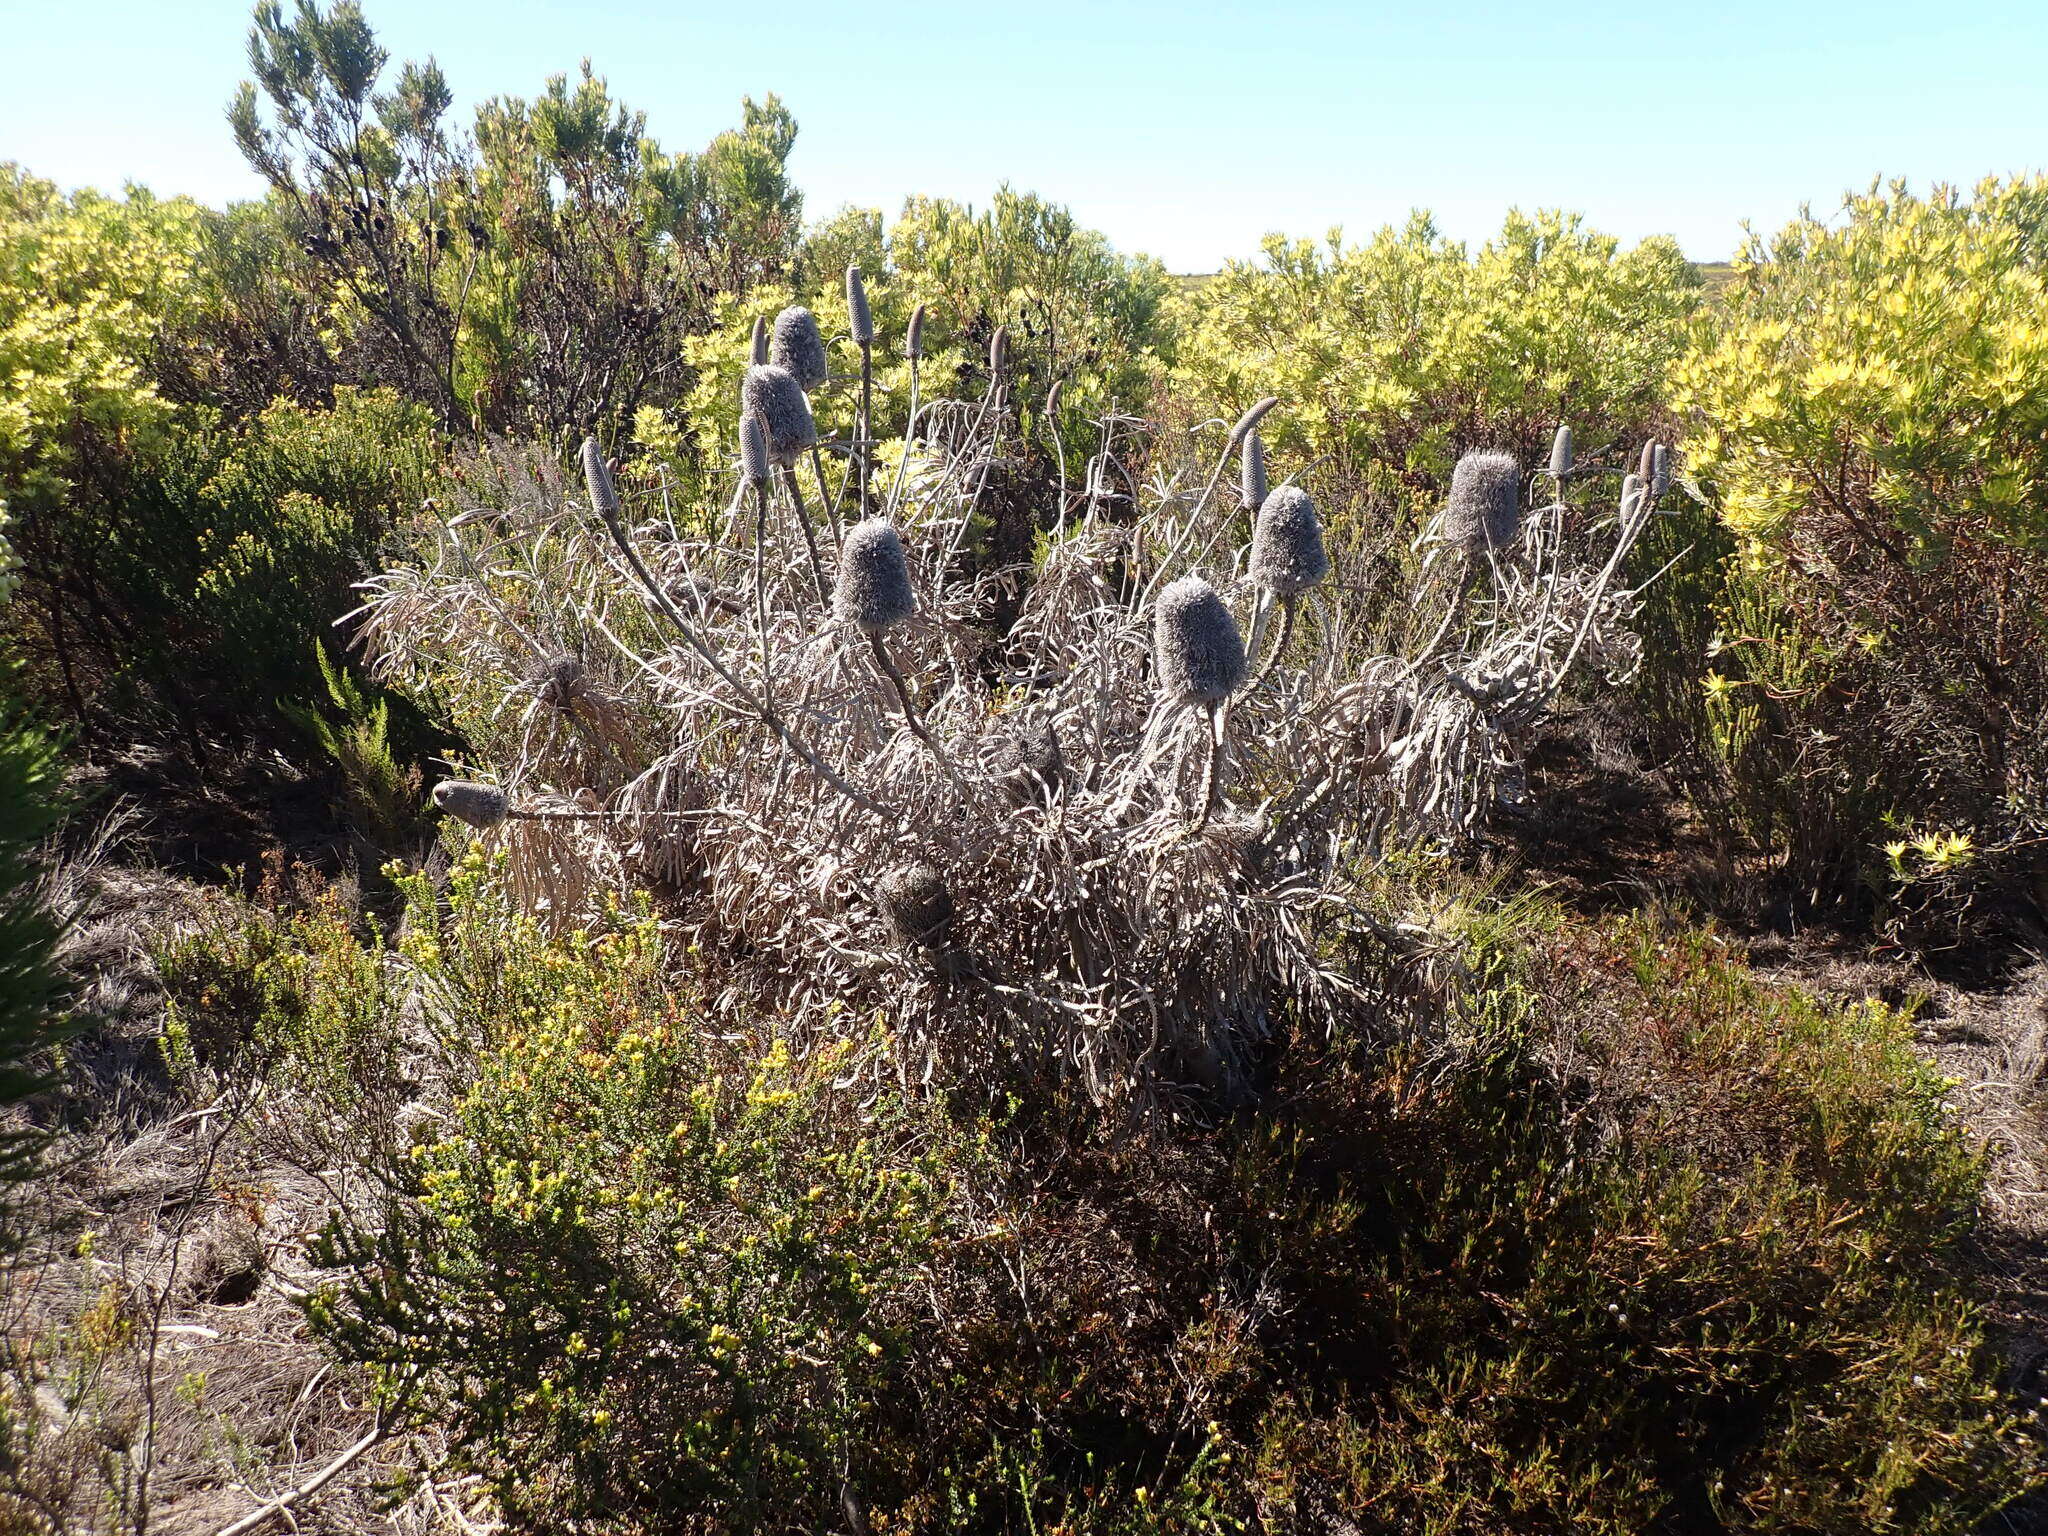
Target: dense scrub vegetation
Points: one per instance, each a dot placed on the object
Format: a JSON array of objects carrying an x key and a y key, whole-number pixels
[{"x": 633, "y": 1161}]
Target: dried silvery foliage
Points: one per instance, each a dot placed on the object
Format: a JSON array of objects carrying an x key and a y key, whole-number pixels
[
  {"x": 481, "y": 805},
  {"x": 1287, "y": 544},
  {"x": 1485, "y": 508},
  {"x": 1196, "y": 648},
  {"x": 797, "y": 346},
  {"x": 873, "y": 591},
  {"x": 773, "y": 394}
]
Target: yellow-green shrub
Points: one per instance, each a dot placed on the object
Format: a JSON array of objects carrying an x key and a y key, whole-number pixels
[
  {"x": 1872, "y": 419},
  {"x": 1395, "y": 356}
]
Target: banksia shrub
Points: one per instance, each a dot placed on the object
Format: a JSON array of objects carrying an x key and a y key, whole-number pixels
[
  {"x": 860, "y": 319},
  {"x": 1287, "y": 544},
  {"x": 481, "y": 805},
  {"x": 775, "y": 395},
  {"x": 873, "y": 591},
  {"x": 1485, "y": 506},
  {"x": 916, "y": 905},
  {"x": 1252, "y": 480},
  {"x": 798, "y": 347},
  {"x": 1197, "y": 652}
]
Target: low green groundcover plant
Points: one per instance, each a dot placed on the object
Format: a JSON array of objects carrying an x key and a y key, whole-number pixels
[{"x": 1648, "y": 1245}]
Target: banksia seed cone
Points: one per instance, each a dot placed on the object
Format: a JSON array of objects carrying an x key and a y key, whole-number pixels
[
  {"x": 1646, "y": 467},
  {"x": 1252, "y": 481},
  {"x": 1486, "y": 502},
  {"x": 757, "y": 354},
  {"x": 916, "y": 905},
  {"x": 1631, "y": 491},
  {"x": 1287, "y": 544},
  {"x": 481, "y": 805},
  {"x": 1561, "y": 453},
  {"x": 873, "y": 592},
  {"x": 753, "y": 450},
  {"x": 1660, "y": 472},
  {"x": 798, "y": 347},
  {"x": 604, "y": 496},
  {"x": 556, "y": 678},
  {"x": 913, "y": 339},
  {"x": 1034, "y": 768},
  {"x": 1196, "y": 648},
  {"x": 774, "y": 395},
  {"x": 860, "y": 320}
]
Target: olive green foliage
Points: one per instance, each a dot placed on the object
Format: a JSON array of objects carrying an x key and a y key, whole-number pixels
[
  {"x": 1871, "y": 417},
  {"x": 381, "y": 796},
  {"x": 540, "y": 274},
  {"x": 1688, "y": 1285},
  {"x": 1657, "y": 1248},
  {"x": 1396, "y": 356},
  {"x": 212, "y": 554},
  {"x": 1078, "y": 312}
]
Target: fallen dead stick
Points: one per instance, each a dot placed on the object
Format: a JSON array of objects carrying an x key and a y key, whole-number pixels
[{"x": 312, "y": 1485}]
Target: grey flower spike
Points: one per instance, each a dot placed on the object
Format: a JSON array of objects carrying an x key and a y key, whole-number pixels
[
  {"x": 604, "y": 496},
  {"x": 1249, "y": 420},
  {"x": 915, "y": 904},
  {"x": 873, "y": 592},
  {"x": 753, "y": 450},
  {"x": 481, "y": 805},
  {"x": 999, "y": 352},
  {"x": 1561, "y": 453},
  {"x": 860, "y": 320},
  {"x": 1646, "y": 467},
  {"x": 1252, "y": 479},
  {"x": 1486, "y": 502},
  {"x": 774, "y": 395},
  {"x": 1660, "y": 472},
  {"x": 757, "y": 354},
  {"x": 1287, "y": 544},
  {"x": 797, "y": 346},
  {"x": 913, "y": 339},
  {"x": 1196, "y": 650}
]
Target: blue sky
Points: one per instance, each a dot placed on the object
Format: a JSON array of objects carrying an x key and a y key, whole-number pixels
[{"x": 1186, "y": 131}]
